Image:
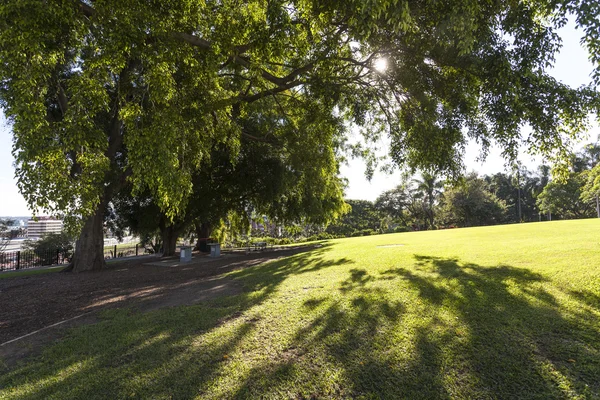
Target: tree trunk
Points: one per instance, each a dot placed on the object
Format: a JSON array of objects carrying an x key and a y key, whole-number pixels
[
  {"x": 597, "y": 206},
  {"x": 431, "y": 216},
  {"x": 169, "y": 235},
  {"x": 203, "y": 232},
  {"x": 89, "y": 249}
]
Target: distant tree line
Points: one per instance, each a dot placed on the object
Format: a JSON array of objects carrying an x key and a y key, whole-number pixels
[
  {"x": 428, "y": 202},
  {"x": 420, "y": 202}
]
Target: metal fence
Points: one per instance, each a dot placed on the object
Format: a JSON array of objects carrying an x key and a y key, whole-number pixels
[
  {"x": 15, "y": 260},
  {"x": 121, "y": 250}
]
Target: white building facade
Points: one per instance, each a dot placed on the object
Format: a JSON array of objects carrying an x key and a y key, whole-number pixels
[{"x": 43, "y": 226}]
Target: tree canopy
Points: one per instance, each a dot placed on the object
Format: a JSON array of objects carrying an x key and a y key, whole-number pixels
[
  {"x": 259, "y": 178},
  {"x": 104, "y": 92},
  {"x": 363, "y": 217},
  {"x": 470, "y": 203}
]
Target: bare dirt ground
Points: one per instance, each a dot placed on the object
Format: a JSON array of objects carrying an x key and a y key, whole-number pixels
[{"x": 32, "y": 303}]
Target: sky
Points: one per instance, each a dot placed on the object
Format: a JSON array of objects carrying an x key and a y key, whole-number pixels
[{"x": 572, "y": 67}]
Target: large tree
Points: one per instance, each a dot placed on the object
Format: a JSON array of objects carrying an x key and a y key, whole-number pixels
[
  {"x": 591, "y": 188},
  {"x": 577, "y": 194},
  {"x": 282, "y": 177},
  {"x": 563, "y": 198},
  {"x": 519, "y": 192},
  {"x": 271, "y": 179},
  {"x": 470, "y": 203},
  {"x": 589, "y": 161},
  {"x": 395, "y": 204},
  {"x": 413, "y": 202},
  {"x": 363, "y": 216},
  {"x": 103, "y": 92}
]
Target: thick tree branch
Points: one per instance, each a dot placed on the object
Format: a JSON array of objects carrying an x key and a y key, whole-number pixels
[
  {"x": 258, "y": 139},
  {"x": 270, "y": 92},
  {"x": 243, "y": 61},
  {"x": 193, "y": 40},
  {"x": 118, "y": 182},
  {"x": 87, "y": 10},
  {"x": 63, "y": 103},
  {"x": 75, "y": 166},
  {"x": 115, "y": 139}
]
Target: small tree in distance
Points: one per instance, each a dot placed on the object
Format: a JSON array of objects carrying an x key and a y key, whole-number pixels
[
  {"x": 470, "y": 203},
  {"x": 566, "y": 199},
  {"x": 591, "y": 189},
  {"x": 47, "y": 248},
  {"x": 4, "y": 233}
]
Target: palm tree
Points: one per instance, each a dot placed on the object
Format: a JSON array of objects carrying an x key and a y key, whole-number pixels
[
  {"x": 592, "y": 152},
  {"x": 430, "y": 186}
]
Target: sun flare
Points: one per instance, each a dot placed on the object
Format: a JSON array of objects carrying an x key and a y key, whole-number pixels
[{"x": 381, "y": 64}]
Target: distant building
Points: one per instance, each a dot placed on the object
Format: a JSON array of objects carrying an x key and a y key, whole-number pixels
[{"x": 43, "y": 226}]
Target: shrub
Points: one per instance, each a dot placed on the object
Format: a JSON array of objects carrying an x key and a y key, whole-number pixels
[
  {"x": 364, "y": 232},
  {"x": 151, "y": 242},
  {"x": 325, "y": 236},
  {"x": 266, "y": 239},
  {"x": 47, "y": 247}
]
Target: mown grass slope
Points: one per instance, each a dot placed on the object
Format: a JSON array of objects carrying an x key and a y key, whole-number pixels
[{"x": 495, "y": 312}]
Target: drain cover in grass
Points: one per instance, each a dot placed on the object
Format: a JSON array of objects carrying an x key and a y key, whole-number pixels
[{"x": 391, "y": 245}]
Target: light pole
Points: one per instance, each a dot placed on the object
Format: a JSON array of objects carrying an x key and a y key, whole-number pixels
[{"x": 519, "y": 193}]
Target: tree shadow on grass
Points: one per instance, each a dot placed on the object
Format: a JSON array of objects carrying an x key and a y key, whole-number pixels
[
  {"x": 177, "y": 353},
  {"x": 587, "y": 297},
  {"x": 463, "y": 330},
  {"x": 440, "y": 329},
  {"x": 518, "y": 340},
  {"x": 43, "y": 300}
]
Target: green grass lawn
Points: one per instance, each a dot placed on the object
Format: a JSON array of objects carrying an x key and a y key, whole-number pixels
[{"x": 497, "y": 312}]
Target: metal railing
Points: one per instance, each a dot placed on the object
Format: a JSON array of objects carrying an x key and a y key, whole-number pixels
[
  {"x": 120, "y": 251},
  {"x": 16, "y": 260}
]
